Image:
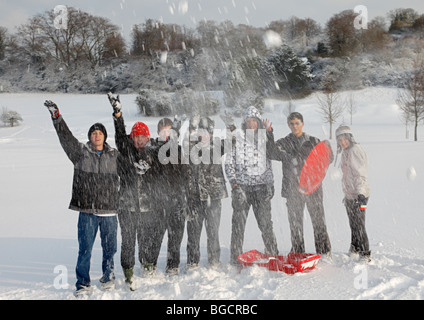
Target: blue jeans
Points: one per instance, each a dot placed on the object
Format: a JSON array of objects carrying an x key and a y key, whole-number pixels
[{"x": 88, "y": 224}]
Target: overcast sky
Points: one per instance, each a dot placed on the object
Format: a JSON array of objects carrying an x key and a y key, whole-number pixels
[{"x": 127, "y": 13}]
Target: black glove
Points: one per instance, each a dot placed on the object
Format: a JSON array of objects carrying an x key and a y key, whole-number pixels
[
  {"x": 362, "y": 202},
  {"x": 52, "y": 107},
  {"x": 115, "y": 103}
]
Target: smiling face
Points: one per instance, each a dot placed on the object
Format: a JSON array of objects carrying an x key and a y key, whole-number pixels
[
  {"x": 343, "y": 142},
  {"x": 140, "y": 141},
  {"x": 97, "y": 138}
]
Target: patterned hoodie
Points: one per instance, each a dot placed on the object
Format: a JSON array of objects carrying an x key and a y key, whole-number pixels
[{"x": 247, "y": 164}]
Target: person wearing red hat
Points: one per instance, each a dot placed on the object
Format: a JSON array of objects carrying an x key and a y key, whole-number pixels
[
  {"x": 136, "y": 210},
  {"x": 140, "y": 135},
  {"x": 154, "y": 192}
]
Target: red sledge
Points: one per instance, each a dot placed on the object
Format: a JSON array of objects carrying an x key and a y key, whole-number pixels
[
  {"x": 291, "y": 264},
  {"x": 315, "y": 168}
]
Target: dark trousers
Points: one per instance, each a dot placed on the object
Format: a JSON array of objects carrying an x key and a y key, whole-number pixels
[
  {"x": 296, "y": 202},
  {"x": 147, "y": 229},
  {"x": 174, "y": 223},
  {"x": 259, "y": 198},
  {"x": 359, "y": 238},
  {"x": 210, "y": 213},
  {"x": 142, "y": 229}
]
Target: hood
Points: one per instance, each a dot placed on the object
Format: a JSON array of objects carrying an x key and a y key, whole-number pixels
[{"x": 252, "y": 112}]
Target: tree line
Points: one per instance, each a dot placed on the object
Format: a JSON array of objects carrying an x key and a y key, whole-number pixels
[
  {"x": 92, "y": 52},
  {"x": 93, "y": 39}
]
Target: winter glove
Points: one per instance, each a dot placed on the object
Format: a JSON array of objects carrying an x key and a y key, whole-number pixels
[
  {"x": 228, "y": 119},
  {"x": 52, "y": 107},
  {"x": 141, "y": 167},
  {"x": 362, "y": 202},
  {"x": 176, "y": 125},
  {"x": 115, "y": 103}
]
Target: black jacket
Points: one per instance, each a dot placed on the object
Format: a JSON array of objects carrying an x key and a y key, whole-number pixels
[
  {"x": 135, "y": 191},
  {"x": 160, "y": 185},
  {"x": 292, "y": 151},
  {"x": 208, "y": 181},
  {"x": 96, "y": 180}
]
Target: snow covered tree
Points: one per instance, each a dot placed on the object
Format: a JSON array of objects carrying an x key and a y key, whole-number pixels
[
  {"x": 154, "y": 103},
  {"x": 292, "y": 74},
  {"x": 238, "y": 103},
  {"x": 402, "y": 18},
  {"x": 3, "y": 33},
  {"x": 10, "y": 117},
  {"x": 189, "y": 102}
]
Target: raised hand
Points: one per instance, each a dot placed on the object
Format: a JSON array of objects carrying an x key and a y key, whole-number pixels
[
  {"x": 115, "y": 103},
  {"x": 53, "y": 109},
  {"x": 267, "y": 124}
]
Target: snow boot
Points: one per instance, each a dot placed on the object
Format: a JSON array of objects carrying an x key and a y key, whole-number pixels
[
  {"x": 365, "y": 256},
  {"x": 149, "y": 269},
  {"x": 83, "y": 291},
  {"x": 192, "y": 266},
  {"x": 107, "y": 284},
  {"x": 129, "y": 278},
  {"x": 172, "y": 271}
]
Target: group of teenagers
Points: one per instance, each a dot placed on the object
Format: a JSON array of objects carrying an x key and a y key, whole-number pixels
[{"x": 145, "y": 185}]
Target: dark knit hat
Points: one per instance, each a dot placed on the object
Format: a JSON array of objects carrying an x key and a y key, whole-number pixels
[{"x": 97, "y": 126}]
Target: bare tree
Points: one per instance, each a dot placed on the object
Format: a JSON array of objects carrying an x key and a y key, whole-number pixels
[
  {"x": 406, "y": 120},
  {"x": 330, "y": 107},
  {"x": 342, "y": 36},
  {"x": 87, "y": 38},
  {"x": 411, "y": 100},
  {"x": 351, "y": 106}
]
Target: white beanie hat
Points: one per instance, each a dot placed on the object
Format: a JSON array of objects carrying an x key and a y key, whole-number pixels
[{"x": 343, "y": 130}]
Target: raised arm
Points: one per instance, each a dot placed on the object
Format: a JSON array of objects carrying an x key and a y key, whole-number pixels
[{"x": 71, "y": 146}]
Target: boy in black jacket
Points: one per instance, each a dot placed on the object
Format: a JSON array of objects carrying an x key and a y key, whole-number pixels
[
  {"x": 293, "y": 151},
  {"x": 161, "y": 188}
]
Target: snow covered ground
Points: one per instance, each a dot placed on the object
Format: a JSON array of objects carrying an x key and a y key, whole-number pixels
[{"x": 38, "y": 245}]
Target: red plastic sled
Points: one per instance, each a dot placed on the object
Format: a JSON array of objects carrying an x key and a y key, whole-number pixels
[
  {"x": 315, "y": 168},
  {"x": 291, "y": 264}
]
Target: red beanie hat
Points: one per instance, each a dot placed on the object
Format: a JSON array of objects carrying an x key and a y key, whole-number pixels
[{"x": 139, "y": 129}]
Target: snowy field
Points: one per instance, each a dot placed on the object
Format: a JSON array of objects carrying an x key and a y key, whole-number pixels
[{"x": 38, "y": 233}]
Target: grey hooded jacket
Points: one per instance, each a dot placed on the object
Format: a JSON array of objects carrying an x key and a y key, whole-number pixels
[{"x": 248, "y": 164}]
